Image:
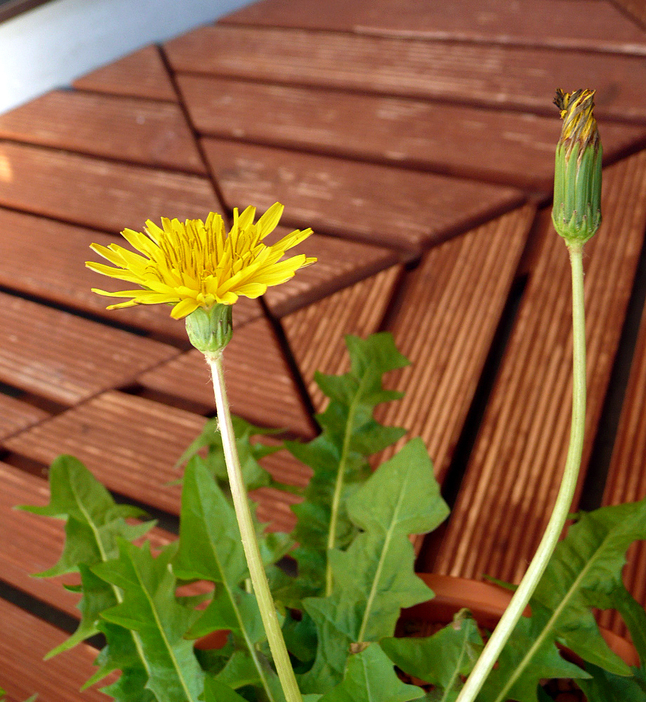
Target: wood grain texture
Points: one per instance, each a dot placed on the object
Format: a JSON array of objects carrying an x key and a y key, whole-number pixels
[
  {"x": 23, "y": 645},
  {"x": 66, "y": 358},
  {"x": 16, "y": 415},
  {"x": 635, "y": 9},
  {"x": 626, "y": 481},
  {"x": 121, "y": 128},
  {"x": 131, "y": 445},
  {"x": 46, "y": 259},
  {"x": 377, "y": 204},
  {"x": 446, "y": 319},
  {"x": 594, "y": 25},
  {"x": 141, "y": 74},
  {"x": 339, "y": 263},
  {"x": 259, "y": 381},
  {"x": 96, "y": 193},
  {"x": 316, "y": 333},
  {"x": 23, "y": 555},
  {"x": 517, "y": 461},
  {"x": 457, "y": 140},
  {"x": 492, "y": 75}
]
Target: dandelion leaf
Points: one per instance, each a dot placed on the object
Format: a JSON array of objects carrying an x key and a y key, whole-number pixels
[
  {"x": 606, "y": 687},
  {"x": 370, "y": 677},
  {"x": 350, "y": 434},
  {"x": 374, "y": 577},
  {"x": 442, "y": 658}
]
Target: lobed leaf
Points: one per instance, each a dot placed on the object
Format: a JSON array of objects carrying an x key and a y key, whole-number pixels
[{"x": 375, "y": 578}]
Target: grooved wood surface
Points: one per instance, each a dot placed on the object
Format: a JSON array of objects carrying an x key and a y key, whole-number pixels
[
  {"x": 626, "y": 481},
  {"x": 594, "y": 25},
  {"x": 495, "y": 75},
  {"x": 316, "y": 333},
  {"x": 120, "y": 128},
  {"x": 141, "y": 74},
  {"x": 23, "y": 645},
  {"x": 453, "y": 139},
  {"x": 517, "y": 461},
  {"x": 355, "y": 200},
  {"x": 16, "y": 415},
  {"x": 65, "y": 358},
  {"x": 635, "y": 9},
  {"x": 96, "y": 193},
  {"x": 254, "y": 356},
  {"x": 453, "y": 301},
  {"x": 46, "y": 259}
]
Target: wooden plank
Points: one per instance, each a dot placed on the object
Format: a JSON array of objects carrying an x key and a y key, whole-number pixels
[
  {"x": 23, "y": 555},
  {"x": 16, "y": 415},
  {"x": 516, "y": 464},
  {"x": 131, "y": 445},
  {"x": 446, "y": 319},
  {"x": 122, "y": 128},
  {"x": 25, "y": 641},
  {"x": 140, "y": 74},
  {"x": 626, "y": 481},
  {"x": 66, "y": 358},
  {"x": 260, "y": 384},
  {"x": 592, "y": 25},
  {"x": 339, "y": 263},
  {"x": 32, "y": 245},
  {"x": 97, "y": 193},
  {"x": 457, "y": 140},
  {"x": 355, "y": 200},
  {"x": 316, "y": 333},
  {"x": 635, "y": 9},
  {"x": 493, "y": 75}
]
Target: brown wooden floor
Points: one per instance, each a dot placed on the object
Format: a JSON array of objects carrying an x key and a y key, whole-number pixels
[{"x": 417, "y": 140}]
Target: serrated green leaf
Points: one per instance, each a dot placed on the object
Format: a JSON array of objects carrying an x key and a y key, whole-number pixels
[
  {"x": 442, "y": 658},
  {"x": 149, "y": 608},
  {"x": 519, "y": 672},
  {"x": 216, "y": 691},
  {"x": 606, "y": 687},
  {"x": 370, "y": 677},
  {"x": 374, "y": 578},
  {"x": 210, "y": 549},
  {"x": 339, "y": 456}
]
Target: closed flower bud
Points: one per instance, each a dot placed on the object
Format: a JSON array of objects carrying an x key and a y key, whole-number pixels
[{"x": 576, "y": 212}]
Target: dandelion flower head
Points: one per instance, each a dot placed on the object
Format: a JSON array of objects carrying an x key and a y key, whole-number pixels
[{"x": 197, "y": 264}]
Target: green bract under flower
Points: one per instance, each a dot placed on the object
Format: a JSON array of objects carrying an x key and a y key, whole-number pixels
[{"x": 196, "y": 264}]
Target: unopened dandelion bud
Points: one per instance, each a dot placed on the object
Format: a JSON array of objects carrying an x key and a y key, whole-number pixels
[
  {"x": 576, "y": 212},
  {"x": 210, "y": 330}
]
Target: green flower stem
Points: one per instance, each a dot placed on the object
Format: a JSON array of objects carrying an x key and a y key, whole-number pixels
[
  {"x": 563, "y": 503},
  {"x": 248, "y": 536}
]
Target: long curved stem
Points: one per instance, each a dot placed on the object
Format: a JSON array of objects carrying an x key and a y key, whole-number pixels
[
  {"x": 248, "y": 536},
  {"x": 563, "y": 503}
]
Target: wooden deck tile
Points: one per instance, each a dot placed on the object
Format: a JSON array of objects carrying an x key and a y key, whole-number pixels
[
  {"x": 66, "y": 358},
  {"x": 447, "y": 317},
  {"x": 122, "y": 128},
  {"x": 25, "y": 641},
  {"x": 457, "y": 140},
  {"x": 635, "y": 9},
  {"x": 260, "y": 384},
  {"x": 316, "y": 333},
  {"x": 626, "y": 481},
  {"x": 23, "y": 555},
  {"x": 141, "y": 74},
  {"x": 16, "y": 415},
  {"x": 44, "y": 258},
  {"x": 340, "y": 263},
  {"x": 587, "y": 24},
  {"x": 95, "y": 193},
  {"x": 493, "y": 75},
  {"x": 518, "y": 458},
  {"x": 131, "y": 445},
  {"x": 378, "y": 204}
]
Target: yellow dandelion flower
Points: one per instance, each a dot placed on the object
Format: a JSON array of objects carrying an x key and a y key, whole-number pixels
[{"x": 196, "y": 264}]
